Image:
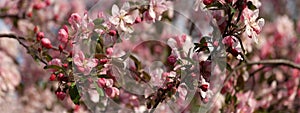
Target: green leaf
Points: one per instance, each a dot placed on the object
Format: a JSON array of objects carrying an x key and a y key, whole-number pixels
[
  {"x": 53, "y": 67},
  {"x": 229, "y": 99},
  {"x": 74, "y": 94},
  {"x": 47, "y": 57},
  {"x": 202, "y": 46},
  {"x": 94, "y": 36},
  {"x": 228, "y": 67},
  {"x": 216, "y": 4},
  {"x": 251, "y": 6},
  {"x": 240, "y": 83},
  {"x": 98, "y": 21},
  {"x": 232, "y": 10},
  {"x": 138, "y": 64},
  {"x": 145, "y": 76},
  {"x": 99, "y": 90}
]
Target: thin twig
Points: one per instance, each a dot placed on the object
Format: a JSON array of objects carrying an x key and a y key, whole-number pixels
[
  {"x": 13, "y": 16},
  {"x": 19, "y": 38},
  {"x": 265, "y": 63}
]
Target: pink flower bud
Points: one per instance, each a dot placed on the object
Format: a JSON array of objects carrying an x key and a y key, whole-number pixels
[
  {"x": 60, "y": 95},
  {"x": 103, "y": 61},
  {"x": 165, "y": 74},
  {"x": 204, "y": 87},
  {"x": 71, "y": 54},
  {"x": 215, "y": 43},
  {"x": 138, "y": 20},
  {"x": 29, "y": 14},
  {"x": 112, "y": 92},
  {"x": 55, "y": 61},
  {"x": 52, "y": 77},
  {"x": 75, "y": 20},
  {"x": 100, "y": 15},
  {"x": 35, "y": 29},
  {"x": 77, "y": 107},
  {"x": 65, "y": 27},
  {"x": 47, "y": 2},
  {"x": 172, "y": 59},
  {"x": 46, "y": 43},
  {"x": 39, "y": 6},
  {"x": 101, "y": 82},
  {"x": 39, "y": 36},
  {"x": 63, "y": 36},
  {"x": 228, "y": 41},
  {"x": 39, "y": 50},
  {"x": 60, "y": 75},
  {"x": 65, "y": 65},
  {"x": 208, "y": 2},
  {"x": 112, "y": 32},
  {"x": 61, "y": 48},
  {"x": 109, "y": 51}
]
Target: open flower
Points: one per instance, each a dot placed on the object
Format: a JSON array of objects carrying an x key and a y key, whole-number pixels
[
  {"x": 156, "y": 9},
  {"x": 253, "y": 27},
  {"x": 83, "y": 64},
  {"x": 121, "y": 18}
]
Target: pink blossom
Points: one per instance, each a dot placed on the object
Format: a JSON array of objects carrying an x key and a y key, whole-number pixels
[
  {"x": 246, "y": 102},
  {"x": 208, "y": 2},
  {"x": 156, "y": 9},
  {"x": 112, "y": 92},
  {"x": 253, "y": 27},
  {"x": 109, "y": 51},
  {"x": 103, "y": 82},
  {"x": 172, "y": 59},
  {"x": 39, "y": 36},
  {"x": 63, "y": 36},
  {"x": 228, "y": 41},
  {"x": 46, "y": 43},
  {"x": 83, "y": 64},
  {"x": 56, "y": 62},
  {"x": 75, "y": 20},
  {"x": 121, "y": 18}
]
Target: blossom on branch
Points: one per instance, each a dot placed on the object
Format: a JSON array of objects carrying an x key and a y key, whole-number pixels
[
  {"x": 253, "y": 27},
  {"x": 121, "y": 18},
  {"x": 83, "y": 64}
]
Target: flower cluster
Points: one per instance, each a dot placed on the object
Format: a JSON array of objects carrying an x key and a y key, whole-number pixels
[{"x": 94, "y": 59}]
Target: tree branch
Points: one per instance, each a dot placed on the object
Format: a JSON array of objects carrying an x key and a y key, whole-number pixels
[
  {"x": 19, "y": 38},
  {"x": 265, "y": 63},
  {"x": 14, "y": 16}
]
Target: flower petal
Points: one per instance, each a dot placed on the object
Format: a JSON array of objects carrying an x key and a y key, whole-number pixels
[
  {"x": 129, "y": 19},
  {"x": 261, "y": 22},
  {"x": 115, "y": 10},
  {"x": 92, "y": 63},
  {"x": 114, "y": 20},
  {"x": 152, "y": 13},
  {"x": 122, "y": 26}
]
